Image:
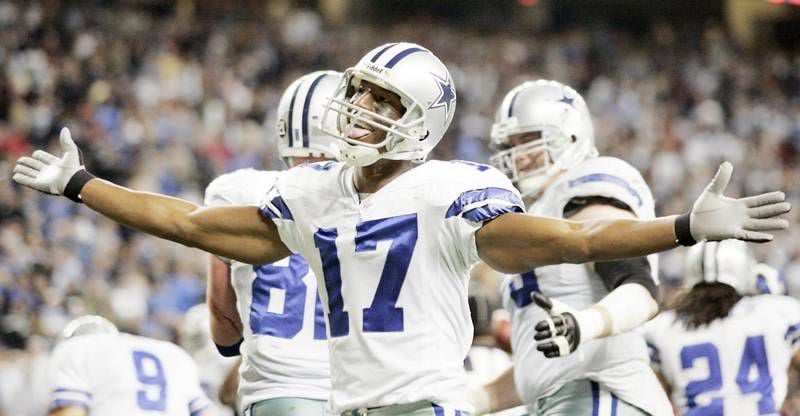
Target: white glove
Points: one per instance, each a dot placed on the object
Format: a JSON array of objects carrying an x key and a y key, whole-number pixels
[
  {"x": 47, "y": 173},
  {"x": 716, "y": 217}
]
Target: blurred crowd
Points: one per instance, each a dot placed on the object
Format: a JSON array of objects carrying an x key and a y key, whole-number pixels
[{"x": 165, "y": 100}]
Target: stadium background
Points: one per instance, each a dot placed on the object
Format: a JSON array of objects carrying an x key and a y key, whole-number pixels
[{"x": 165, "y": 96}]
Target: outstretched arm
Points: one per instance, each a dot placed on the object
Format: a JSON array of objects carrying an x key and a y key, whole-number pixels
[
  {"x": 517, "y": 243},
  {"x": 236, "y": 232}
]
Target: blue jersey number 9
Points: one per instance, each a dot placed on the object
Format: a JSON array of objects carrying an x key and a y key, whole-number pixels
[{"x": 150, "y": 373}]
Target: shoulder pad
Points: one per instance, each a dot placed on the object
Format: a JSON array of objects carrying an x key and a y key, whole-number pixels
[
  {"x": 240, "y": 187},
  {"x": 612, "y": 178}
]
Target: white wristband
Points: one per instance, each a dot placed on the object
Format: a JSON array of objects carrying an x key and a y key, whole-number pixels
[{"x": 480, "y": 400}]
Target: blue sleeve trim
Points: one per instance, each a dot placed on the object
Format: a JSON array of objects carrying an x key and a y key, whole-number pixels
[
  {"x": 278, "y": 203},
  {"x": 791, "y": 332},
  {"x": 655, "y": 354},
  {"x": 67, "y": 390},
  {"x": 477, "y": 195},
  {"x": 203, "y": 406},
  {"x": 198, "y": 411},
  {"x": 488, "y": 212},
  {"x": 604, "y": 177}
]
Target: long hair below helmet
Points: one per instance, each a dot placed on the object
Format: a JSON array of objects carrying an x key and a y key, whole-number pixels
[{"x": 705, "y": 303}]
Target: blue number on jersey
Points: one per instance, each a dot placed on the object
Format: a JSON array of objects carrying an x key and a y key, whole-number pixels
[
  {"x": 287, "y": 323},
  {"x": 754, "y": 353},
  {"x": 150, "y": 373},
  {"x": 382, "y": 315},
  {"x": 713, "y": 382},
  {"x": 522, "y": 294}
]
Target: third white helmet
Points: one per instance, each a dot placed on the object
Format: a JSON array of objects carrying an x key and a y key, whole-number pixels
[{"x": 558, "y": 117}]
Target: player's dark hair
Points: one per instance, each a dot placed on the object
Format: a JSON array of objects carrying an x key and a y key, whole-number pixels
[{"x": 705, "y": 303}]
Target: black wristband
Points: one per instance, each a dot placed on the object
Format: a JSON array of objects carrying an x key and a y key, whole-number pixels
[
  {"x": 683, "y": 232},
  {"x": 76, "y": 184},
  {"x": 229, "y": 350}
]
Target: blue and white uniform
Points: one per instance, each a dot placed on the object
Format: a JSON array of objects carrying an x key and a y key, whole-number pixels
[
  {"x": 393, "y": 270},
  {"x": 616, "y": 364},
  {"x": 734, "y": 366},
  {"x": 284, "y": 353},
  {"x": 122, "y": 374}
]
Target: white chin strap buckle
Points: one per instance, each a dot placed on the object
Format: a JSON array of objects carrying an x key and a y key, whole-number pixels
[{"x": 355, "y": 155}]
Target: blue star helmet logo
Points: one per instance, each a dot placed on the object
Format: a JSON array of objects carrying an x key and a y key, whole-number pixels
[
  {"x": 566, "y": 100},
  {"x": 447, "y": 95}
]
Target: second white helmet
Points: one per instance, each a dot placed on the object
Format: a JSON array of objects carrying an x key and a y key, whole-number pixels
[
  {"x": 426, "y": 92},
  {"x": 558, "y": 116},
  {"x": 300, "y": 113}
]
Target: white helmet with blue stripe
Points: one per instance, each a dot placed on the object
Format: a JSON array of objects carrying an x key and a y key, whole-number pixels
[
  {"x": 729, "y": 261},
  {"x": 299, "y": 115},
  {"x": 426, "y": 92},
  {"x": 558, "y": 116}
]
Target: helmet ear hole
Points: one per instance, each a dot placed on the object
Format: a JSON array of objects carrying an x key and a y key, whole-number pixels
[{"x": 574, "y": 138}]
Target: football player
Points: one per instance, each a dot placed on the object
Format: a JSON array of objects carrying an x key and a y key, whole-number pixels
[
  {"x": 725, "y": 349},
  {"x": 545, "y": 136},
  {"x": 391, "y": 238},
  {"x": 213, "y": 369},
  {"x": 96, "y": 370},
  {"x": 274, "y": 310}
]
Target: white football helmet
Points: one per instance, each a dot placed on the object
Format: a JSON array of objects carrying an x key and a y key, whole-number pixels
[
  {"x": 729, "y": 261},
  {"x": 195, "y": 331},
  {"x": 300, "y": 113},
  {"x": 426, "y": 91},
  {"x": 566, "y": 134},
  {"x": 88, "y": 324}
]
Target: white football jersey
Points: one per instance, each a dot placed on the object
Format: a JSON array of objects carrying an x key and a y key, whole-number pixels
[
  {"x": 620, "y": 362},
  {"x": 734, "y": 366},
  {"x": 123, "y": 374},
  {"x": 393, "y": 269},
  {"x": 284, "y": 353}
]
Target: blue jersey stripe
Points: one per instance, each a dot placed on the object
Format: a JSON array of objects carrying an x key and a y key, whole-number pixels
[
  {"x": 291, "y": 114},
  {"x": 476, "y": 195},
  {"x": 595, "y": 398},
  {"x": 397, "y": 58},
  {"x": 604, "y": 177},
  {"x": 380, "y": 52},
  {"x": 306, "y": 104},
  {"x": 437, "y": 410},
  {"x": 614, "y": 402}
]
